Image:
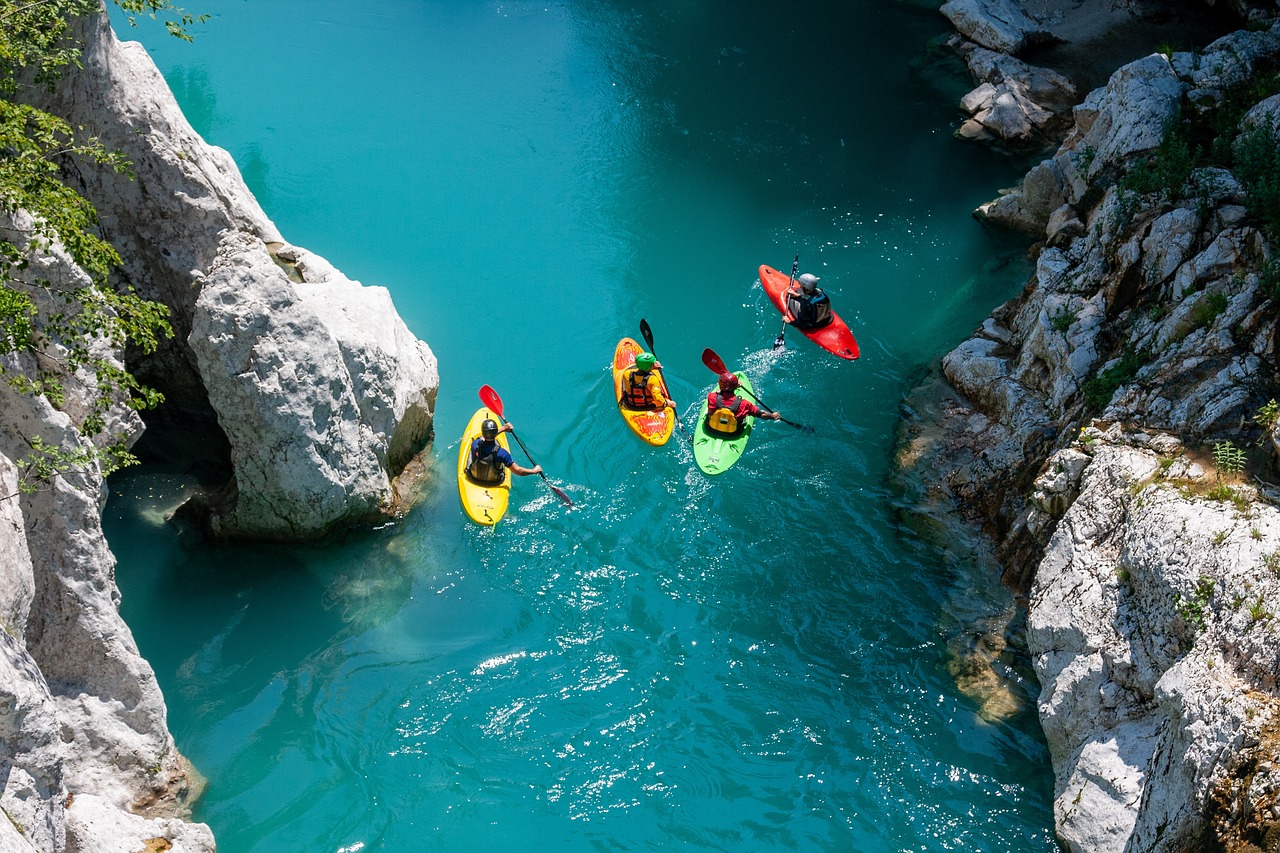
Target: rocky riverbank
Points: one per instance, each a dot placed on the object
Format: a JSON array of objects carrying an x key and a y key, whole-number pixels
[
  {"x": 320, "y": 395},
  {"x": 1112, "y": 430}
]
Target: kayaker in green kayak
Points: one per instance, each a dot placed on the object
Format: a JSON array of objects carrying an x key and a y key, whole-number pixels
[{"x": 727, "y": 412}]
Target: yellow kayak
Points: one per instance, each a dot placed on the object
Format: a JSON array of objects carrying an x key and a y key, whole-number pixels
[
  {"x": 653, "y": 425},
  {"x": 484, "y": 503}
]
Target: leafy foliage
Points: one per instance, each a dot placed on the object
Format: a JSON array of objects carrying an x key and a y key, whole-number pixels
[
  {"x": 1167, "y": 171},
  {"x": 1208, "y": 309},
  {"x": 1257, "y": 163},
  {"x": 1195, "y": 608},
  {"x": 63, "y": 328},
  {"x": 1228, "y": 458},
  {"x": 1099, "y": 390},
  {"x": 1267, "y": 416}
]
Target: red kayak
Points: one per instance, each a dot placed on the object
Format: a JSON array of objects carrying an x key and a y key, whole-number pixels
[{"x": 834, "y": 337}]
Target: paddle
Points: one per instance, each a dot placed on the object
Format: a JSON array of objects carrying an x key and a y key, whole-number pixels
[
  {"x": 647, "y": 334},
  {"x": 715, "y": 364},
  {"x": 490, "y": 398},
  {"x": 780, "y": 342}
]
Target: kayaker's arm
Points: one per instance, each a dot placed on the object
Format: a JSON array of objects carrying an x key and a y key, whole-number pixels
[
  {"x": 523, "y": 471},
  {"x": 655, "y": 392}
]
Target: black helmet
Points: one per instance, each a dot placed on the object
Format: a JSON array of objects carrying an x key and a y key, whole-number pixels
[{"x": 489, "y": 429}]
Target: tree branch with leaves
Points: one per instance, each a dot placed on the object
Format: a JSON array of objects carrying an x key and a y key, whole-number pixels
[{"x": 68, "y": 331}]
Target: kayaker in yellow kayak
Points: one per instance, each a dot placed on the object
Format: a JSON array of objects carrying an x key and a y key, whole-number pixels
[
  {"x": 727, "y": 412},
  {"x": 489, "y": 459},
  {"x": 642, "y": 385}
]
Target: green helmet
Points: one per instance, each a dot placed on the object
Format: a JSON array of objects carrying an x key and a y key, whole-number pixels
[{"x": 645, "y": 361}]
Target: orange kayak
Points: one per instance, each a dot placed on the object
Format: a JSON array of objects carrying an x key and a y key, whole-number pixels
[{"x": 654, "y": 426}]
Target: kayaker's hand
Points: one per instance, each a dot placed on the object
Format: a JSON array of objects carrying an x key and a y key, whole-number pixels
[
  {"x": 536, "y": 469},
  {"x": 773, "y": 416},
  {"x": 507, "y": 427},
  {"x": 671, "y": 405}
]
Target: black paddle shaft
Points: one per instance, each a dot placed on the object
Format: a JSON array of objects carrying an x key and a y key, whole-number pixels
[
  {"x": 647, "y": 334},
  {"x": 716, "y": 364},
  {"x": 780, "y": 342}
]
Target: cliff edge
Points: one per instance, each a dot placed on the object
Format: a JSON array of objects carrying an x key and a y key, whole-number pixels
[
  {"x": 324, "y": 396},
  {"x": 1112, "y": 430}
]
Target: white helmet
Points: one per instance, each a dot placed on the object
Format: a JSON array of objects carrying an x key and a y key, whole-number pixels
[{"x": 809, "y": 282}]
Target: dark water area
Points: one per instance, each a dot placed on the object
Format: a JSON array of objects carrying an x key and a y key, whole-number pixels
[{"x": 762, "y": 660}]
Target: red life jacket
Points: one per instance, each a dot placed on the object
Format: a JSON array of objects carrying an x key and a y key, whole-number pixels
[
  {"x": 725, "y": 416},
  {"x": 635, "y": 389}
]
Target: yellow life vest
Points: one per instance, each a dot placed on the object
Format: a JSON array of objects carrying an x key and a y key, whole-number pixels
[{"x": 725, "y": 418}]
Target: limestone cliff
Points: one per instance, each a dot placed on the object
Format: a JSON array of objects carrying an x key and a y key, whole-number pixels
[
  {"x": 323, "y": 394},
  {"x": 1097, "y": 428},
  {"x": 86, "y": 757},
  {"x": 321, "y": 390}
]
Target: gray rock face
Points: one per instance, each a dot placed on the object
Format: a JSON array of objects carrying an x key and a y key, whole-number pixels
[
  {"x": 80, "y": 711},
  {"x": 1152, "y": 637},
  {"x": 1146, "y": 324},
  {"x": 1000, "y": 25},
  {"x": 164, "y": 220},
  {"x": 1017, "y": 105},
  {"x": 1126, "y": 119},
  {"x": 320, "y": 388},
  {"x": 334, "y": 383}
]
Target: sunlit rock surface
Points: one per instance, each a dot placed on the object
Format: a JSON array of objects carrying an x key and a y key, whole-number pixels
[
  {"x": 1076, "y": 428},
  {"x": 188, "y": 224}
]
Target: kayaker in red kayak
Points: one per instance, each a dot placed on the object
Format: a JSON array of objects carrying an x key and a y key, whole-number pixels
[
  {"x": 642, "y": 388},
  {"x": 489, "y": 459},
  {"x": 808, "y": 306},
  {"x": 726, "y": 412}
]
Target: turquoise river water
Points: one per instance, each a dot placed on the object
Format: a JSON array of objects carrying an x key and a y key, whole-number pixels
[{"x": 753, "y": 662}]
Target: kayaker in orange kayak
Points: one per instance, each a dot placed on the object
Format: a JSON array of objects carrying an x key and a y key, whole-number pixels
[
  {"x": 642, "y": 385},
  {"x": 489, "y": 459},
  {"x": 808, "y": 306}
]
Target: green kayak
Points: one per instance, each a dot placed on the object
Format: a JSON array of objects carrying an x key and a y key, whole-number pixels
[{"x": 715, "y": 453}]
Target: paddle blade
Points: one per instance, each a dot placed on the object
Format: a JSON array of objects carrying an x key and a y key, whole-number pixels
[
  {"x": 560, "y": 494},
  {"x": 780, "y": 342},
  {"x": 490, "y": 398},
  {"x": 713, "y": 362},
  {"x": 647, "y": 334}
]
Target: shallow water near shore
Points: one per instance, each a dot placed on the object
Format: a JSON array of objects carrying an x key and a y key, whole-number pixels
[{"x": 757, "y": 661}]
